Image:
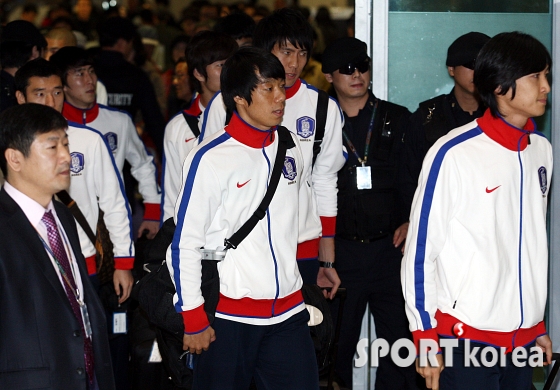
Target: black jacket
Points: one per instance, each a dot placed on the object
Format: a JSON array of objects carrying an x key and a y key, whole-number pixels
[
  {"x": 376, "y": 212},
  {"x": 41, "y": 345},
  {"x": 129, "y": 89}
]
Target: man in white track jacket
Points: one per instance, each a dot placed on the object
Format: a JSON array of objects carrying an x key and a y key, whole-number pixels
[
  {"x": 80, "y": 106},
  {"x": 95, "y": 181},
  {"x": 475, "y": 264},
  {"x": 260, "y": 330},
  {"x": 288, "y": 36}
]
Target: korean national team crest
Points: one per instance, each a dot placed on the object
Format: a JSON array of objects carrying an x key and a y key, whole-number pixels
[
  {"x": 305, "y": 126},
  {"x": 543, "y": 180},
  {"x": 289, "y": 171},
  {"x": 112, "y": 140},
  {"x": 76, "y": 162}
]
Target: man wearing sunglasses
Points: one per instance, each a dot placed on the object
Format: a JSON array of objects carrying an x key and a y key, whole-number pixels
[
  {"x": 370, "y": 226},
  {"x": 437, "y": 116}
]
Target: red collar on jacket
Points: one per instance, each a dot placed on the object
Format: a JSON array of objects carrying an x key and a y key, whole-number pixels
[
  {"x": 247, "y": 134},
  {"x": 505, "y": 133},
  {"x": 78, "y": 115},
  {"x": 291, "y": 91},
  {"x": 194, "y": 108}
]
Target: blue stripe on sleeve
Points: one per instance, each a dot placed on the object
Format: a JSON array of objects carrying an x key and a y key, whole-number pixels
[
  {"x": 420, "y": 255},
  {"x": 175, "y": 251}
]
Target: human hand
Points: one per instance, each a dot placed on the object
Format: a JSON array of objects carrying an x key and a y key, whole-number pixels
[
  {"x": 431, "y": 374},
  {"x": 196, "y": 343},
  {"x": 123, "y": 281},
  {"x": 151, "y": 226}
]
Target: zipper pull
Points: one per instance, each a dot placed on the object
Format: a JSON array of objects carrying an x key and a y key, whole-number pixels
[{"x": 454, "y": 304}]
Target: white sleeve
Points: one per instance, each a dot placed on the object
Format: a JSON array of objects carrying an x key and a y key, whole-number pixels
[
  {"x": 112, "y": 201},
  {"x": 197, "y": 205},
  {"x": 175, "y": 148},
  {"x": 142, "y": 164},
  {"x": 432, "y": 210},
  {"x": 329, "y": 161}
]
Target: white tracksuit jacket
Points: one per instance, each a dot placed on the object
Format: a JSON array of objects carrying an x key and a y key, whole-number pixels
[
  {"x": 96, "y": 184},
  {"x": 299, "y": 117},
  {"x": 178, "y": 141},
  {"x": 226, "y": 178},
  {"x": 123, "y": 140},
  {"x": 476, "y": 251}
]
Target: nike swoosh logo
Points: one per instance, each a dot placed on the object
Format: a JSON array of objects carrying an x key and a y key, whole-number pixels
[
  {"x": 188, "y": 139},
  {"x": 492, "y": 190},
  {"x": 241, "y": 185}
]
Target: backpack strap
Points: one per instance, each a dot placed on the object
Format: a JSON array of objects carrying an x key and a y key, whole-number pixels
[
  {"x": 285, "y": 142},
  {"x": 65, "y": 198},
  {"x": 192, "y": 121},
  {"x": 321, "y": 121}
]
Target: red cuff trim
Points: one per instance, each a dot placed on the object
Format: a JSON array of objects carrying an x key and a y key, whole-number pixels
[
  {"x": 424, "y": 334},
  {"x": 308, "y": 250},
  {"x": 195, "y": 320},
  {"x": 91, "y": 265},
  {"x": 152, "y": 212},
  {"x": 329, "y": 226},
  {"x": 124, "y": 263},
  {"x": 258, "y": 308},
  {"x": 510, "y": 340}
]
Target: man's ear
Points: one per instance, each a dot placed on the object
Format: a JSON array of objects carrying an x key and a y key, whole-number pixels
[
  {"x": 20, "y": 98},
  {"x": 14, "y": 159},
  {"x": 328, "y": 76},
  {"x": 198, "y": 76},
  {"x": 240, "y": 101},
  {"x": 451, "y": 71}
]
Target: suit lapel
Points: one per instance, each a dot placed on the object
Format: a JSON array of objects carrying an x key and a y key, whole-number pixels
[{"x": 38, "y": 255}]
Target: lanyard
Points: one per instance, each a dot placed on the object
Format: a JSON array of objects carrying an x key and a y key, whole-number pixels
[
  {"x": 76, "y": 291},
  {"x": 368, "y": 138}
]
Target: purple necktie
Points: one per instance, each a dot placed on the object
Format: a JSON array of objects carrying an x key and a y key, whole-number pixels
[{"x": 60, "y": 254}]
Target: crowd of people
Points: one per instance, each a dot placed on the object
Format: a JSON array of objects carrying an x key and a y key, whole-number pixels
[{"x": 117, "y": 115}]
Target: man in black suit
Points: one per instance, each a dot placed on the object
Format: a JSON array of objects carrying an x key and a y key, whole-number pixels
[{"x": 52, "y": 327}]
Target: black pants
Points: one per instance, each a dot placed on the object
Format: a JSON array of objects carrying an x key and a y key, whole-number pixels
[
  {"x": 371, "y": 275},
  {"x": 278, "y": 357}
]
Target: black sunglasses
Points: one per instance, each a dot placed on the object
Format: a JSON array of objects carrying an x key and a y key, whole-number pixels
[{"x": 362, "y": 66}]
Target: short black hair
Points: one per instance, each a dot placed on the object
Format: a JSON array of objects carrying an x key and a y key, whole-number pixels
[
  {"x": 14, "y": 54},
  {"x": 237, "y": 25},
  {"x": 284, "y": 25},
  {"x": 504, "y": 59},
  {"x": 244, "y": 70},
  {"x": 68, "y": 58},
  {"x": 39, "y": 67},
  {"x": 19, "y": 125},
  {"x": 113, "y": 29},
  {"x": 205, "y": 48}
]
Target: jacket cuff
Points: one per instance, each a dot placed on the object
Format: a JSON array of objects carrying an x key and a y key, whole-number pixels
[
  {"x": 124, "y": 263},
  {"x": 91, "y": 265},
  {"x": 152, "y": 212},
  {"x": 308, "y": 250},
  {"x": 195, "y": 320},
  {"x": 417, "y": 335},
  {"x": 329, "y": 226}
]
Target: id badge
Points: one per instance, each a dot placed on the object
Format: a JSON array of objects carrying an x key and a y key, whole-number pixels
[
  {"x": 363, "y": 178},
  {"x": 119, "y": 323},
  {"x": 85, "y": 316}
]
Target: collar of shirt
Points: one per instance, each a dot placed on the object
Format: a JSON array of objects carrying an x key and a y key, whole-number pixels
[
  {"x": 247, "y": 134},
  {"x": 32, "y": 210},
  {"x": 79, "y": 115},
  {"x": 195, "y": 109},
  {"x": 505, "y": 133},
  {"x": 291, "y": 91},
  {"x": 34, "y": 213}
]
